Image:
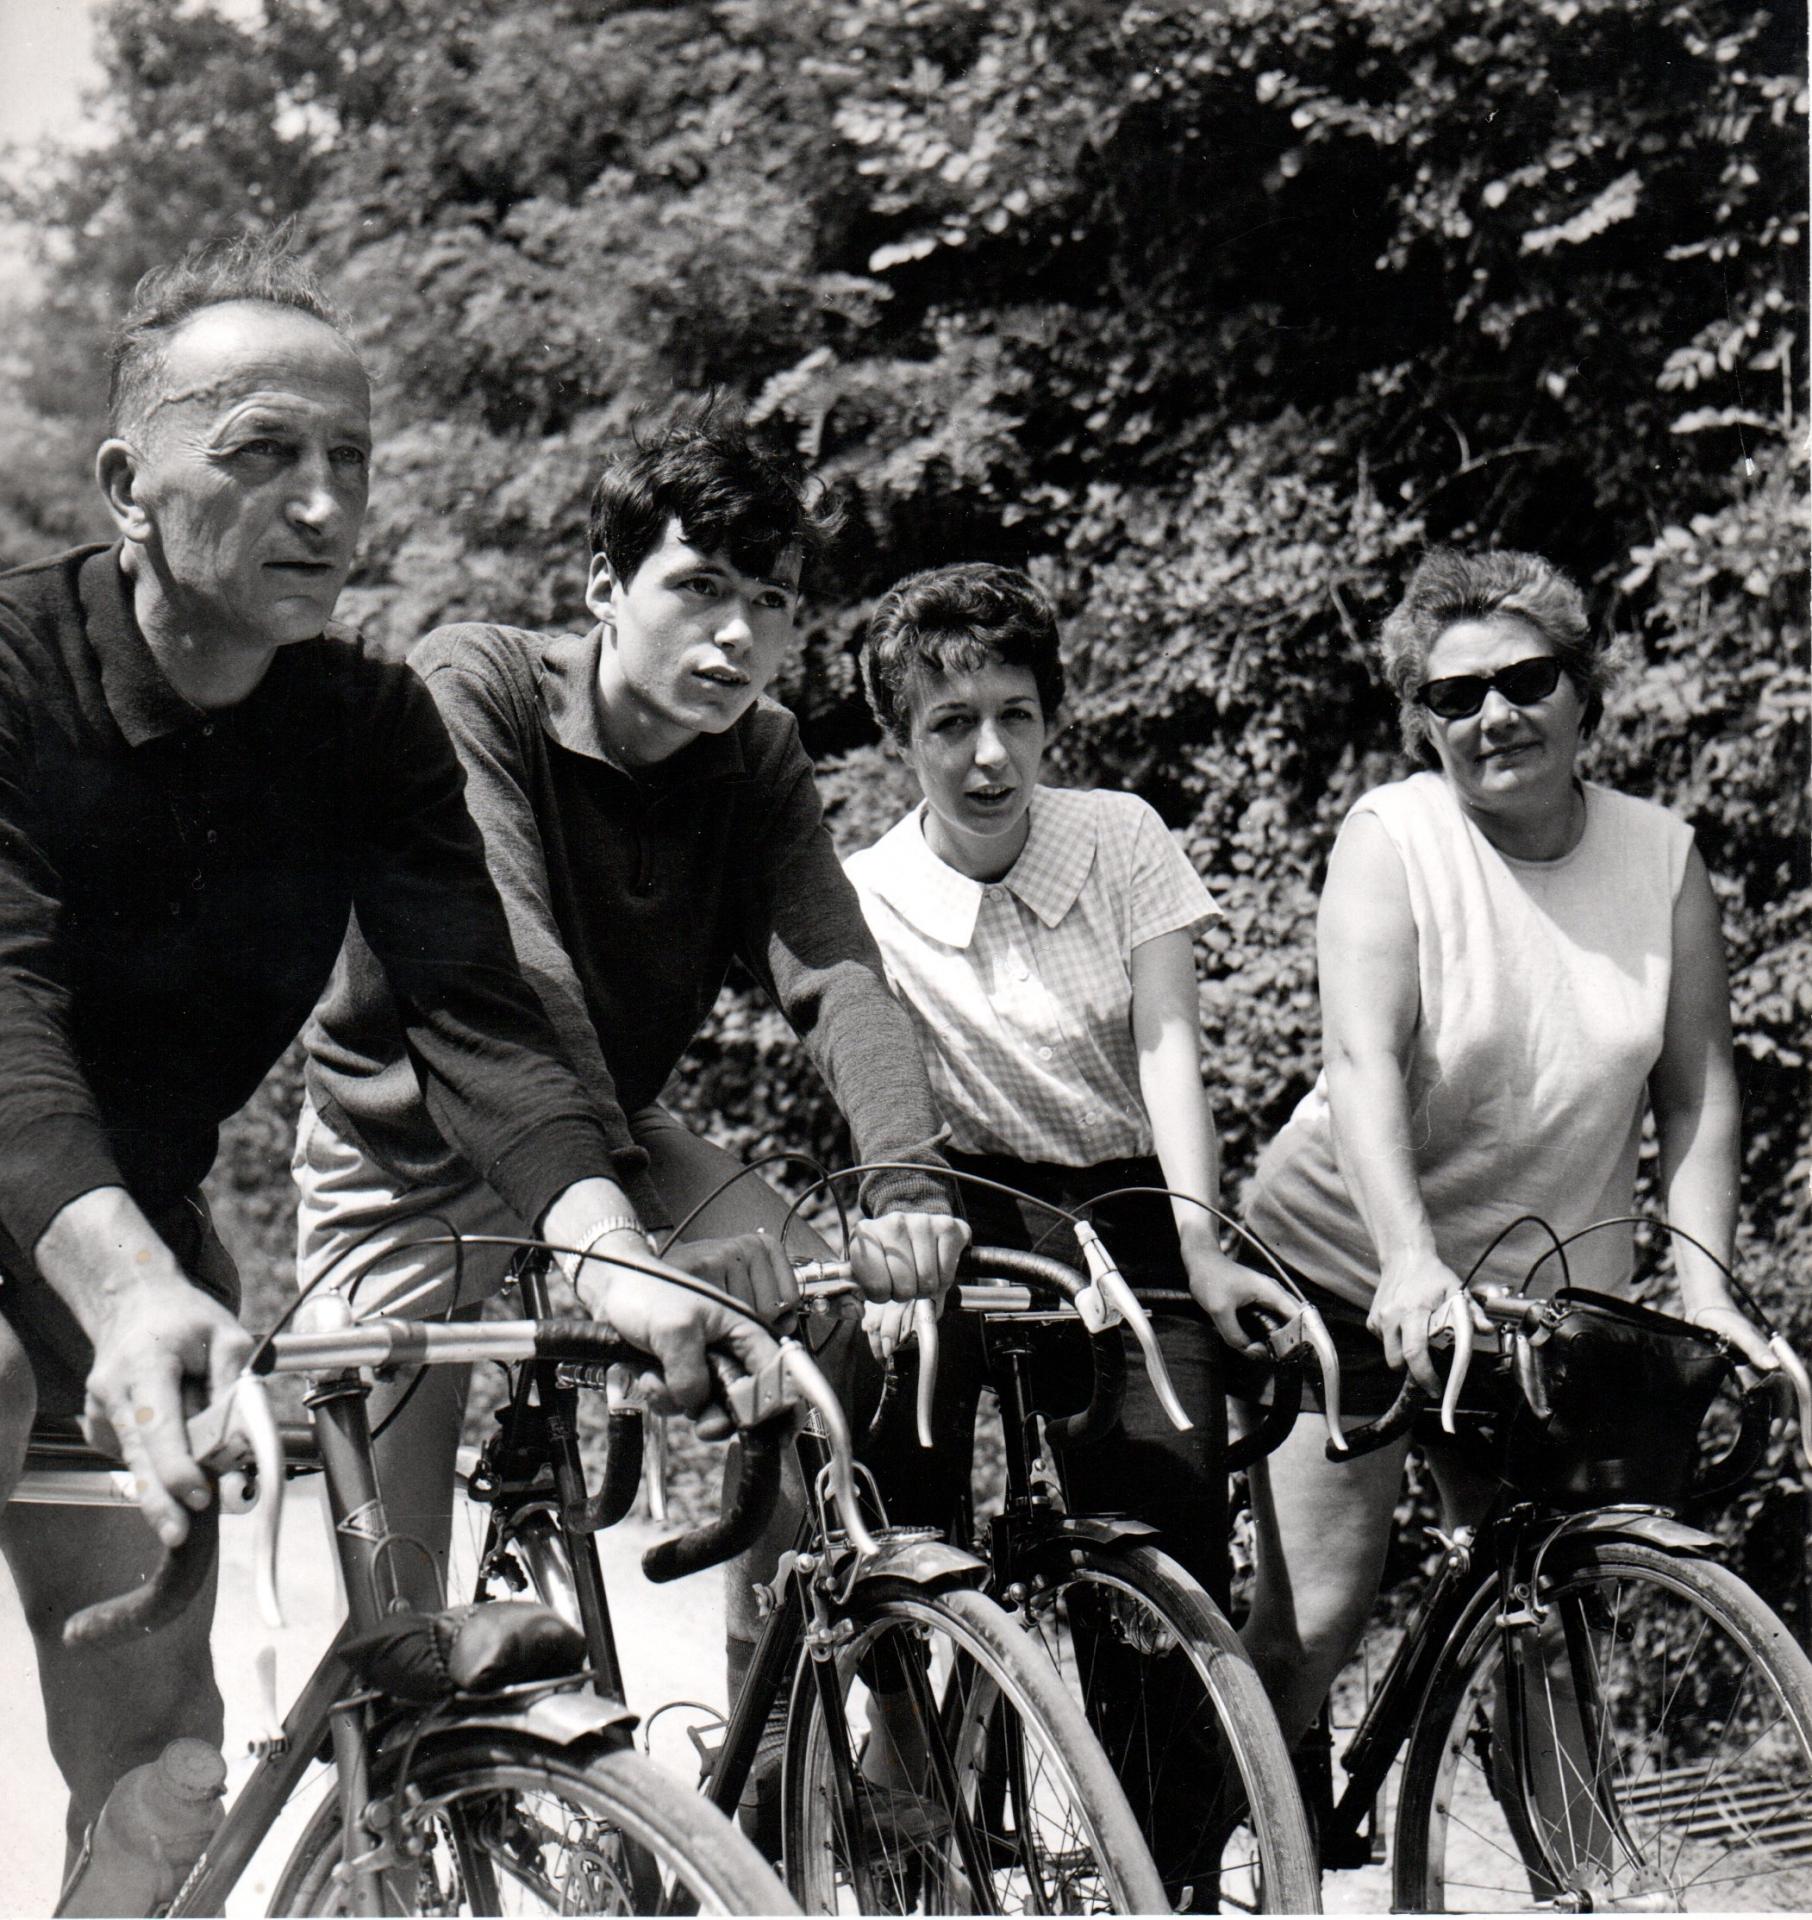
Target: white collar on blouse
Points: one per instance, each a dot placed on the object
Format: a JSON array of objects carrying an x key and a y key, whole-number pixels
[{"x": 943, "y": 904}]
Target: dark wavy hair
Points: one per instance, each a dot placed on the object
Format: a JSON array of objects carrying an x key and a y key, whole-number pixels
[
  {"x": 1450, "y": 586},
  {"x": 957, "y": 619},
  {"x": 730, "y": 494},
  {"x": 261, "y": 267}
]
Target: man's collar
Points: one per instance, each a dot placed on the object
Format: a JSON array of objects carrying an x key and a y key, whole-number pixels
[
  {"x": 566, "y": 689},
  {"x": 943, "y": 904},
  {"x": 142, "y": 701}
]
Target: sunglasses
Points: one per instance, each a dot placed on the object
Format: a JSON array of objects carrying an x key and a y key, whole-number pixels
[{"x": 1460, "y": 696}]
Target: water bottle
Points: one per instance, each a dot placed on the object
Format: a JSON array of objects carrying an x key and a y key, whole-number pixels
[{"x": 152, "y": 1830}]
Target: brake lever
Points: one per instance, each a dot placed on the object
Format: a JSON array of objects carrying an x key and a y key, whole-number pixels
[
  {"x": 1111, "y": 1285},
  {"x": 924, "y": 1327},
  {"x": 1321, "y": 1344},
  {"x": 1795, "y": 1370},
  {"x": 237, "y": 1430},
  {"x": 792, "y": 1378},
  {"x": 1454, "y": 1315},
  {"x": 1285, "y": 1338}
]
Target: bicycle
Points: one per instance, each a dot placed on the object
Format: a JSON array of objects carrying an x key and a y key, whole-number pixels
[
  {"x": 1008, "y": 1803},
  {"x": 1591, "y": 1711},
  {"x": 474, "y": 1769}
]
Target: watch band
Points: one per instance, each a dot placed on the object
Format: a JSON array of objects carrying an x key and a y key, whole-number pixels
[{"x": 597, "y": 1229}]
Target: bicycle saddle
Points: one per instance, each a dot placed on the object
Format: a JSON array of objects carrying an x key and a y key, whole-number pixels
[{"x": 475, "y": 1649}]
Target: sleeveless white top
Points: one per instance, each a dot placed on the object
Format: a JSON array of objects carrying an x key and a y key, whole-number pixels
[{"x": 1544, "y": 989}]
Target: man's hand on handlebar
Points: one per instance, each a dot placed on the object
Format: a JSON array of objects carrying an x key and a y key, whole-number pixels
[
  {"x": 753, "y": 1266},
  {"x": 161, "y": 1348},
  {"x": 1221, "y": 1287},
  {"x": 898, "y": 1259},
  {"x": 907, "y": 1256},
  {"x": 675, "y": 1326}
]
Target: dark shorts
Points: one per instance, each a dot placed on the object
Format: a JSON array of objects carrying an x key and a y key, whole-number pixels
[{"x": 58, "y": 1349}]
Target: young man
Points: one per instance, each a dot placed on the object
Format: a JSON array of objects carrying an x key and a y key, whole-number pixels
[
  {"x": 199, "y": 777},
  {"x": 647, "y": 816}
]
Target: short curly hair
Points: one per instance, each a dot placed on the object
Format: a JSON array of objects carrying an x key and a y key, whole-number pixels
[
  {"x": 1450, "y": 586},
  {"x": 731, "y": 494},
  {"x": 259, "y": 267},
  {"x": 957, "y": 619}
]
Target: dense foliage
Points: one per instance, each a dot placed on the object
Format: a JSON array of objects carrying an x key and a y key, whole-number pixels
[{"x": 1210, "y": 313}]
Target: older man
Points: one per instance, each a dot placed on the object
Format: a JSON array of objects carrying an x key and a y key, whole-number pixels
[{"x": 199, "y": 778}]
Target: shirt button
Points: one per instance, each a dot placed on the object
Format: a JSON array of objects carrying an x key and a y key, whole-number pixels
[
  {"x": 994, "y": 893},
  {"x": 213, "y": 837},
  {"x": 207, "y": 731},
  {"x": 1044, "y": 1053}
]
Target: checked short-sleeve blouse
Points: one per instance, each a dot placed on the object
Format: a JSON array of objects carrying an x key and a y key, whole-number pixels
[{"x": 1020, "y": 989}]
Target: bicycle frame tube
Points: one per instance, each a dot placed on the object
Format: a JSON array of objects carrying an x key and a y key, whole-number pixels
[
  {"x": 367, "y": 1566},
  {"x": 265, "y": 1794},
  {"x": 1391, "y": 1712},
  {"x": 768, "y": 1678},
  {"x": 558, "y": 1409}
]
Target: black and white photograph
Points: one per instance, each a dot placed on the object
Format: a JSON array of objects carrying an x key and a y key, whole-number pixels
[{"x": 905, "y": 957}]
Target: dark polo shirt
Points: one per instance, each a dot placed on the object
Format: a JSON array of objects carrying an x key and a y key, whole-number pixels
[{"x": 175, "y": 885}]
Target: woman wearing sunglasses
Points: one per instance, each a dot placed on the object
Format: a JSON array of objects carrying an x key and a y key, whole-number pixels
[{"x": 1515, "y": 964}]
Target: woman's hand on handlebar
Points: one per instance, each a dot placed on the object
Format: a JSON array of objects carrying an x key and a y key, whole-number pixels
[
  {"x": 1729, "y": 1323},
  {"x": 1411, "y": 1291},
  {"x": 1221, "y": 1287},
  {"x": 674, "y": 1326}
]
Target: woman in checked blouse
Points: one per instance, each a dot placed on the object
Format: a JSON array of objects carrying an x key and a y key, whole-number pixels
[{"x": 1040, "y": 938}]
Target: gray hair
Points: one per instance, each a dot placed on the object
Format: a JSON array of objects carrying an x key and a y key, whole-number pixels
[
  {"x": 257, "y": 267},
  {"x": 1449, "y": 586}
]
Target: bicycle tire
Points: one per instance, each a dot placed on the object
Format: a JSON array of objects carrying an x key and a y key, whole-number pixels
[
  {"x": 1017, "y": 1810},
  {"x": 1683, "y": 1790},
  {"x": 1176, "y": 1703},
  {"x": 511, "y": 1824}
]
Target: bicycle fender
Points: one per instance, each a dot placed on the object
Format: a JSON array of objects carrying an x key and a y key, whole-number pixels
[
  {"x": 560, "y": 1719},
  {"x": 1098, "y": 1529},
  {"x": 1649, "y": 1529},
  {"x": 920, "y": 1562}
]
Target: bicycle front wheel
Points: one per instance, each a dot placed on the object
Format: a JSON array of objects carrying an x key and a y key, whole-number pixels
[
  {"x": 936, "y": 1764},
  {"x": 500, "y": 1823},
  {"x": 1183, "y": 1717},
  {"x": 1664, "y": 1758}
]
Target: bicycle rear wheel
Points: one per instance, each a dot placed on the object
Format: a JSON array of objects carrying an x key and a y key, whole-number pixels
[
  {"x": 1669, "y": 1741},
  {"x": 1011, "y": 1806},
  {"x": 1183, "y": 1717},
  {"x": 501, "y": 1823}
]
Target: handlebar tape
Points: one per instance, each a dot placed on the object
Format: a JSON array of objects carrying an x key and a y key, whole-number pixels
[
  {"x": 738, "y": 1526},
  {"x": 1411, "y": 1398},
  {"x": 1744, "y": 1454},
  {"x": 622, "y": 1473},
  {"x": 175, "y": 1581}
]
